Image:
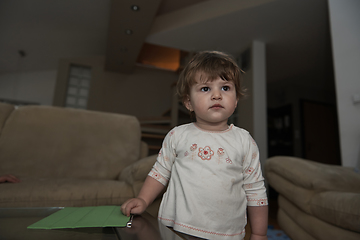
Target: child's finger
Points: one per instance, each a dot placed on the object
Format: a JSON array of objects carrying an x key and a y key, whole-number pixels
[
  {"x": 12, "y": 178},
  {"x": 136, "y": 210},
  {"x": 123, "y": 207},
  {"x": 129, "y": 208}
]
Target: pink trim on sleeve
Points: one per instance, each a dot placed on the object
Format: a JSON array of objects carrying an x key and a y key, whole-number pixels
[{"x": 157, "y": 176}]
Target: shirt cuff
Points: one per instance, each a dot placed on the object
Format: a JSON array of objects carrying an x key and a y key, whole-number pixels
[
  {"x": 257, "y": 201},
  {"x": 157, "y": 176}
]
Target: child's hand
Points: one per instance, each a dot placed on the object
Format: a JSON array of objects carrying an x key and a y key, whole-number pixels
[
  {"x": 258, "y": 237},
  {"x": 133, "y": 206},
  {"x": 9, "y": 178}
]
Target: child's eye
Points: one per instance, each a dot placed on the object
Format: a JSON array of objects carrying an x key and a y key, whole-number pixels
[
  {"x": 205, "y": 89},
  {"x": 225, "y": 88}
]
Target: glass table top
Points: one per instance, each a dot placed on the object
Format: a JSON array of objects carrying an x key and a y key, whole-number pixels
[{"x": 14, "y": 223}]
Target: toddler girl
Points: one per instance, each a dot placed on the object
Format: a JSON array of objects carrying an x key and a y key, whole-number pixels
[{"x": 212, "y": 169}]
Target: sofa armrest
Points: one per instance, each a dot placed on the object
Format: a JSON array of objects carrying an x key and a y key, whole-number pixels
[
  {"x": 135, "y": 176},
  {"x": 313, "y": 175},
  {"x": 138, "y": 171}
]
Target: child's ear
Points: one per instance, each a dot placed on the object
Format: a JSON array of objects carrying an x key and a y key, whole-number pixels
[{"x": 187, "y": 104}]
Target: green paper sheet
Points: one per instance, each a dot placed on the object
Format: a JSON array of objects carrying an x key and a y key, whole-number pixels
[{"x": 81, "y": 217}]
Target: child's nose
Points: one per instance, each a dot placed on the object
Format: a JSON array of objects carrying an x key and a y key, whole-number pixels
[{"x": 216, "y": 95}]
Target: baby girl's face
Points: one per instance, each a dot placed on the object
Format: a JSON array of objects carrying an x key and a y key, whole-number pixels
[{"x": 213, "y": 102}]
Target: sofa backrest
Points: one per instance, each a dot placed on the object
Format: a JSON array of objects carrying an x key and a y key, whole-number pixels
[{"x": 44, "y": 141}]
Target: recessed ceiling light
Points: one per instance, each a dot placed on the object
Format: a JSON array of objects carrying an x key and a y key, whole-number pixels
[
  {"x": 22, "y": 53},
  {"x": 135, "y": 8},
  {"x": 128, "y": 31}
]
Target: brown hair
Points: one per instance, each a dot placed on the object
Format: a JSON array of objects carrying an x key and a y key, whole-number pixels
[{"x": 213, "y": 64}]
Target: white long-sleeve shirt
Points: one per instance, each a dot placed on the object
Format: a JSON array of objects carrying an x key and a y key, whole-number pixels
[{"x": 212, "y": 177}]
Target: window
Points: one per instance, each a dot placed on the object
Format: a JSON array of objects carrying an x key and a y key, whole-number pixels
[{"x": 78, "y": 87}]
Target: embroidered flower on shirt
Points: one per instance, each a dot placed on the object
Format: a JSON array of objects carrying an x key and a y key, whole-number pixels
[
  {"x": 228, "y": 160},
  {"x": 220, "y": 151},
  {"x": 205, "y": 153},
  {"x": 249, "y": 170},
  {"x": 193, "y": 147},
  {"x": 254, "y": 155},
  {"x": 186, "y": 153}
]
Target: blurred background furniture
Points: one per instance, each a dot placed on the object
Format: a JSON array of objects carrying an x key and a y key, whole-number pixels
[
  {"x": 316, "y": 201},
  {"x": 69, "y": 157}
]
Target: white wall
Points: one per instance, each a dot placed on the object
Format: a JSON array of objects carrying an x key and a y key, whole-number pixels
[
  {"x": 345, "y": 32},
  {"x": 35, "y": 87},
  {"x": 144, "y": 93}
]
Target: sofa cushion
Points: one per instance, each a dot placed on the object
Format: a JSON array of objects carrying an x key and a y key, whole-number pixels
[
  {"x": 315, "y": 227},
  {"x": 338, "y": 208},
  {"x": 54, "y": 142},
  {"x": 291, "y": 228},
  {"x": 64, "y": 192}
]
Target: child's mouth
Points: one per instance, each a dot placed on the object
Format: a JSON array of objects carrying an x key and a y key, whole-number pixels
[{"x": 216, "y": 106}]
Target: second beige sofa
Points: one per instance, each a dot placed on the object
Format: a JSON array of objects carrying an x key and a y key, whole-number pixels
[{"x": 316, "y": 201}]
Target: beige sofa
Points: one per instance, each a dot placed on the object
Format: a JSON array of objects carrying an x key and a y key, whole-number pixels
[
  {"x": 316, "y": 201},
  {"x": 68, "y": 157}
]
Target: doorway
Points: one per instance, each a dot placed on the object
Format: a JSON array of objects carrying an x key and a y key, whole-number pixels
[{"x": 320, "y": 138}]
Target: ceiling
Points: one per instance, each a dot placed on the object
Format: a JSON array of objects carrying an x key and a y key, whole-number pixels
[{"x": 295, "y": 31}]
